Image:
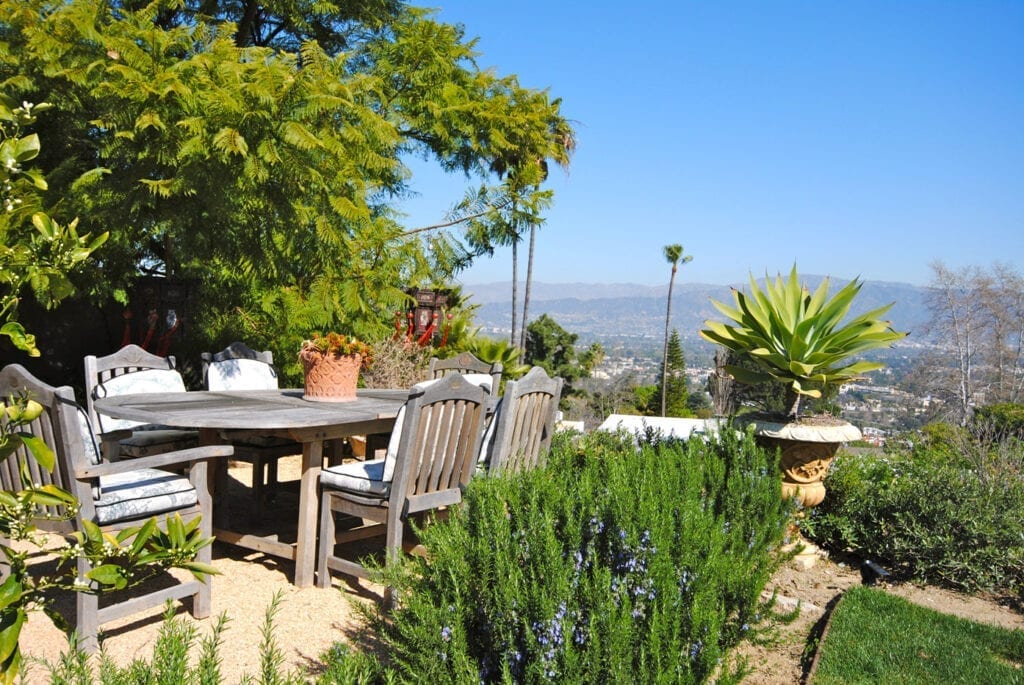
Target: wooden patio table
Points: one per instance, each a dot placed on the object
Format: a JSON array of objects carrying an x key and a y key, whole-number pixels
[{"x": 277, "y": 413}]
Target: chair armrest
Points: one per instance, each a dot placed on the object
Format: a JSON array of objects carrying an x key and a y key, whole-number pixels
[{"x": 156, "y": 461}]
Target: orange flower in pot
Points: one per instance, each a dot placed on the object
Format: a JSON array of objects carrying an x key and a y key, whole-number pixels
[{"x": 331, "y": 364}]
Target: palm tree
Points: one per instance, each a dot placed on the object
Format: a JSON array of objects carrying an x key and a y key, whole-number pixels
[
  {"x": 562, "y": 144},
  {"x": 674, "y": 255},
  {"x": 529, "y": 284}
]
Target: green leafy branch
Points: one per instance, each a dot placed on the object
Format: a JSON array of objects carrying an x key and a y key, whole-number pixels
[{"x": 41, "y": 259}]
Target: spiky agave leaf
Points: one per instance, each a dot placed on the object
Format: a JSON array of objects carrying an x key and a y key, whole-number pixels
[{"x": 797, "y": 337}]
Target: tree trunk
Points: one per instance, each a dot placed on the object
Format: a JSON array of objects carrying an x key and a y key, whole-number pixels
[
  {"x": 515, "y": 289},
  {"x": 664, "y": 353},
  {"x": 792, "y": 404},
  {"x": 720, "y": 385},
  {"x": 960, "y": 321},
  {"x": 529, "y": 282},
  {"x": 245, "y": 34}
]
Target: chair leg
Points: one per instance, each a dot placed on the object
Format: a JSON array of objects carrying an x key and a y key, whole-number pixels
[
  {"x": 202, "y": 601},
  {"x": 326, "y": 544},
  {"x": 376, "y": 442},
  {"x": 87, "y": 607},
  {"x": 272, "y": 472},
  {"x": 392, "y": 551}
]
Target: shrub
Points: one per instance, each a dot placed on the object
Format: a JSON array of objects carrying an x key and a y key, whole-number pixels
[
  {"x": 397, "y": 364},
  {"x": 611, "y": 564},
  {"x": 1005, "y": 419},
  {"x": 942, "y": 515}
]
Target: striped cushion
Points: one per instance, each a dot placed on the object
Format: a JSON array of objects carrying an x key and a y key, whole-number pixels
[
  {"x": 149, "y": 380},
  {"x": 141, "y": 494},
  {"x": 363, "y": 477}
]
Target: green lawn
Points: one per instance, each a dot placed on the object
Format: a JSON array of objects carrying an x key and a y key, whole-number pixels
[{"x": 876, "y": 637}]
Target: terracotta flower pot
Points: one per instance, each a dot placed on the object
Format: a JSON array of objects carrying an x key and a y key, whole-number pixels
[{"x": 330, "y": 377}]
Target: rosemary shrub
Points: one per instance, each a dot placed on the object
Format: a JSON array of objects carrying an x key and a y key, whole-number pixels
[{"x": 610, "y": 564}]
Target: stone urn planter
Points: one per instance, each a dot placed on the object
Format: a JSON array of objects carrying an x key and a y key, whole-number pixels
[
  {"x": 805, "y": 452},
  {"x": 331, "y": 366},
  {"x": 809, "y": 343}
]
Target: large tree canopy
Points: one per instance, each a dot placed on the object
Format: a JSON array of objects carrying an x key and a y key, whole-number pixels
[{"x": 259, "y": 147}]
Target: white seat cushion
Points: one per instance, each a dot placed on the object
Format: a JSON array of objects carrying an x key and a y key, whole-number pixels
[
  {"x": 141, "y": 494},
  {"x": 484, "y": 380},
  {"x": 148, "y": 380},
  {"x": 92, "y": 450},
  {"x": 241, "y": 374},
  {"x": 362, "y": 477},
  {"x": 487, "y": 443}
]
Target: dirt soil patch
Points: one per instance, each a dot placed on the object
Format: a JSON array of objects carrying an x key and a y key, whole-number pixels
[{"x": 308, "y": 622}]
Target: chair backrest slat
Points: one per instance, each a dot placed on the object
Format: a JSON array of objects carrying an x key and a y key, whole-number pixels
[
  {"x": 58, "y": 426},
  {"x": 439, "y": 442},
  {"x": 525, "y": 422},
  {"x": 129, "y": 359}
]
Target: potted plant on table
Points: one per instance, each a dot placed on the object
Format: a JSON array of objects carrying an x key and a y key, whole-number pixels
[
  {"x": 807, "y": 342},
  {"x": 331, "y": 364}
]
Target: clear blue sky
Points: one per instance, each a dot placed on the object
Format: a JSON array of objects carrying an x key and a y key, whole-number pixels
[{"x": 857, "y": 138}]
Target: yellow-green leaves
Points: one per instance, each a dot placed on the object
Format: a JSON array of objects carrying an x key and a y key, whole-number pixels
[{"x": 797, "y": 337}]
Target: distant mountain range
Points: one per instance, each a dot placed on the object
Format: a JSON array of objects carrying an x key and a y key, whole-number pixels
[{"x": 604, "y": 311}]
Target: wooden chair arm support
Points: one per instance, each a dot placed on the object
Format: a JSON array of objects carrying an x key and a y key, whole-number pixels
[{"x": 155, "y": 461}]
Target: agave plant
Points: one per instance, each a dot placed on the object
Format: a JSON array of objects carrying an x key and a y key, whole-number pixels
[
  {"x": 495, "y": 350},
  {"x": 800, "y": 339}
]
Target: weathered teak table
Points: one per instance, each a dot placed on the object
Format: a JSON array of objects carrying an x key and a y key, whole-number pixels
[{"x": 279, "y": 413}]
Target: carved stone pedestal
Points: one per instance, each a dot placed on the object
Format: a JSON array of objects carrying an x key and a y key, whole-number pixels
[{"x": 805, "y": 452}]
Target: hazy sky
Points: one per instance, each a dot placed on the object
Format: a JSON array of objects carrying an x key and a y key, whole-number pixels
[{"x": 858, "y": 138}]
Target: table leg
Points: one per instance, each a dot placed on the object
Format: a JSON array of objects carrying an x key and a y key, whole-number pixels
[
  {"x": 217, "y": 478},
  {"x": 305, "y": 545}
]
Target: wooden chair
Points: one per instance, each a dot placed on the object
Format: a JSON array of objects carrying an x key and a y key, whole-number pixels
[
  {"x": 239, "y": 367},
  {"x": 520, "y": 433},
  {"x": 430, "y": 458},
  {"x": 130, "y": 370},
  {"x": 467, "y": 363},
  {"x": 115, "y": 495}
]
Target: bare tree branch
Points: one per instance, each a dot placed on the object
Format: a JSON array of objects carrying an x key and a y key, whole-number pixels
[{"x": 455, "y": 222}]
